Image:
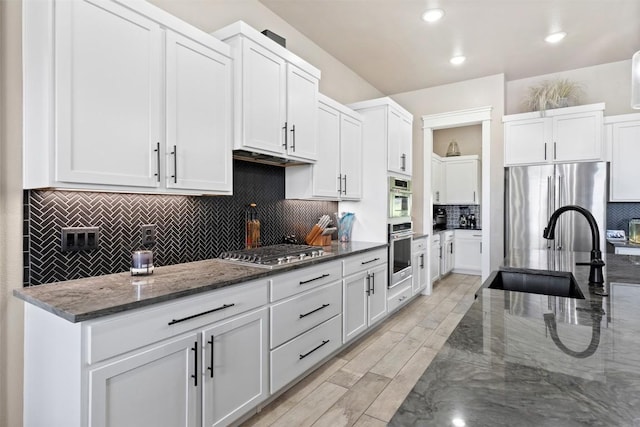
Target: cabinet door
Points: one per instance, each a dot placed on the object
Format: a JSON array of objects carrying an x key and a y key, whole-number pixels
[
  {"x": 107, "y": 102},
  {"x": 449, "y": 257},
  {"x": 461, "y": 181},
  {"x": 326, "y": 171},
  {"x": 527, "y": 142},
  {"x": 154, "y": 387},
  {"x": 198, "y": 117},
  {"x": 435, "y": 260},
  {"x": 399, "y": 143},
  {"x": 351, "y": 157},
  {"x": 419, "y": 272},
  {"x": 263, "y": 105},
  {"x": 625, "y": 153},
  {"x": 406, "y": 142},
  {"x": 354, "y": 319},
  {"x": 302, "y": 114},
  {"x": 437, "y": 187},
  {"x": 234, "y": 367},
  {"x": 467, "y": 254},
  {"x": 377, "y": 300},
  {"x": 578, "y": 137}
]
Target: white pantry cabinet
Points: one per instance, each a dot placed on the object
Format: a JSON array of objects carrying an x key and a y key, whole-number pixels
[
  {"x": 198, "y": 359},
  {"x": 120, "y": 97},
  {"x": 623, "y": 135},
  {"x": 468, "y": 251},
  {"x": 364, "y": 292},
  {"x": 276, "y": 96},
  {"x": 337, "y": 174},
  {"x": 571, "y": 134}
]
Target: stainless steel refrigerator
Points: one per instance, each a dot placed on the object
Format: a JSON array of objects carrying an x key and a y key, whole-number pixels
[{"x": 532, "y": 193}]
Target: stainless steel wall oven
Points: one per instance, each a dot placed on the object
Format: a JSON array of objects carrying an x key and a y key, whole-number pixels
[{"x": 400, "y": 241}]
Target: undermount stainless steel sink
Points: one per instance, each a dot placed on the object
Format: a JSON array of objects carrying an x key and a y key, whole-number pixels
[{"x": 555, "y": 283}]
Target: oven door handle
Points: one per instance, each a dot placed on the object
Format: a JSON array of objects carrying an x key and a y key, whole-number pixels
[{"x": 402, "y": 235}]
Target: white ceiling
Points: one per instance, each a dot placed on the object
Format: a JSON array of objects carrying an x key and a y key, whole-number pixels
[{"x": 388, "y": 44}]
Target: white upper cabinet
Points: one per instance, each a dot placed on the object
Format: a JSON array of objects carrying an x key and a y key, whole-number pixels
[
  {"x": 400, "y": 142},
  {"x": 276, "y": 96},
  {"x": 391, "y": 125},
  {"x": 337, "y": 174},
  {"x": 559, "y": 135},
  {"x": 437, "y": 180},
  {"x": 623, "y": 134},
  {"x": 462, "y": 180},
  {"x": 110, "y": 90},
  {"x": 198, "y": 116}
]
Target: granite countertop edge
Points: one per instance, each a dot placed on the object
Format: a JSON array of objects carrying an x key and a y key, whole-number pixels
[{"x": 72, "y": 299}]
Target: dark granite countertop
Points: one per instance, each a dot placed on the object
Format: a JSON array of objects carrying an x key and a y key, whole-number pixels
[
  {"x": 536, "y": 360},
  {"x": 623, "y": 244},
  {"x": 93, "y": 297}
]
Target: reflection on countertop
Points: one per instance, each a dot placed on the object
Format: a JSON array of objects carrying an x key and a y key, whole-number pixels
[{"x": 531, "y": 360}]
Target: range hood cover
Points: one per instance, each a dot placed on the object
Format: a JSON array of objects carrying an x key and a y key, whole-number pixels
[{"x": 250, "y": 156}]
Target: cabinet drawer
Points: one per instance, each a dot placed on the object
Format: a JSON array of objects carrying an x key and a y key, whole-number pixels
[
  {"x": 400, "y": 297},
  {"x": 297, "y": 356},
  {"x": 125, "y": 332},
  {"x": 364, "y": 261},
  {"x": 301, "y": 280},
  {"x": 419, "y": 245},
  {"x": 296, "y": 315}
]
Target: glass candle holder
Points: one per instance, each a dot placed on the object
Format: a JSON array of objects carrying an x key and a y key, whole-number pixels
[{"x": 141, "y": 263}]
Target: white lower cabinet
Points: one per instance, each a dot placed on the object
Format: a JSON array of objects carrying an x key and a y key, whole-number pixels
[
  {"x": 468, "y": 252},
  {"x": 364, "y": 292},
  {"x": 294, "y": 358},
  {"x": 399, "y": 295},
  {"x": 234, "y": 369},
  {"x": 434, "y": 258},
  {"x": 154, "y": 387},
  {"x": 419, "y": 266},
  {"x": 448, "y": 253}
]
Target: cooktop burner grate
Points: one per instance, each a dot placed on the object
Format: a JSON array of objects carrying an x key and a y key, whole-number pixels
[{"x": 271, "y": 254}]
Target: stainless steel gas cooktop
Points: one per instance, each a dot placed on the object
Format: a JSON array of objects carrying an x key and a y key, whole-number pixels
[{"x": 274, "y": 255}]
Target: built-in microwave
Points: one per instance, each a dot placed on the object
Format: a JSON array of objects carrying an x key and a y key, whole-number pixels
[{"x": 399, "y": 198}]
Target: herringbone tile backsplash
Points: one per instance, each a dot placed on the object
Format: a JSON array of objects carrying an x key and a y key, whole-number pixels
[{"x": 187, "y": 228}]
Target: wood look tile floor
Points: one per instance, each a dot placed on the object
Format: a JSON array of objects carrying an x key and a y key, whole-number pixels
[{"x": 366, "y": 383}]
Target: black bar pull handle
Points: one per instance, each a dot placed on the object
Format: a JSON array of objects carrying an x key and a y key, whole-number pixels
[
  {"x": 313, "y": 311},
  {"x": 285, "y": 135},
  {"x": 340, "y": 184},
  {"x": 555, "y": 151},
  {"x": 345, "y": 183},
  {"x": 293, "y": 138},
  {"x": 545, "y": 151},
  {"x": 195, "y": 366},
  {"x": 302, "y": 356},
  {"x": 421, "y": 260},
  {"x": 315, "y": 278},
  {"x": 222, "y": 307},
  {"x": 373, "y": 283},
  {"x": 157, "y": 151},
  {"x": 175, "y": 164},
  {"x": 368, "y": 284},
  {"x": 210, "y": 368},
  {"x": 370, "y": 261}
]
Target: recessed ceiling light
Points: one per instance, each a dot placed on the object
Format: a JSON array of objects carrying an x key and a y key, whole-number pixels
[
  {"x": 433, "y": 15},
  {"x": 555, "y": 37},
  {"x": 457, "y": 60}
]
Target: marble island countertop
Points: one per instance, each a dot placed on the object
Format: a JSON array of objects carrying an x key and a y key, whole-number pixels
[
  {"x": 536, "y": 360},
  {"x": 93, "y": 297}
]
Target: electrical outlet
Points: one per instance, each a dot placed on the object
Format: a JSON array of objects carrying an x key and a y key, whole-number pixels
[
  {"x": 148, "y": 234},
  {"x": 75, "y": 239}
]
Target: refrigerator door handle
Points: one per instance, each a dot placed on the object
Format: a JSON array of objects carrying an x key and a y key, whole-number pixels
[
  {"x": 561, "y": 202},
  {"x": 550, "y": 197}
]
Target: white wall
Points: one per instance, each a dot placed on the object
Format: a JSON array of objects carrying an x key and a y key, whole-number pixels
[
  {"x": 337, "y": 82},
  {"x": 11, "y": 313},
  {"x": 469, "y": 139},
  {"x": 609, "y": 83},
  {"x": 486, "y": 91}
]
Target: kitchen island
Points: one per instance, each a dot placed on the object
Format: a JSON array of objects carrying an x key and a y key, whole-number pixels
[{"x": 523, "y": 359}]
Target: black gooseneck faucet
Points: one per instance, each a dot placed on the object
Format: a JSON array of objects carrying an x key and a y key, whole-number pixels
[{"x": 595, "y": 272}]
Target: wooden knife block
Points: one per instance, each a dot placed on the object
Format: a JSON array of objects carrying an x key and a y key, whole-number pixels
[{"x": 321, "y": 241}]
